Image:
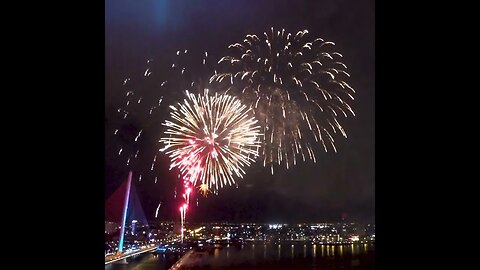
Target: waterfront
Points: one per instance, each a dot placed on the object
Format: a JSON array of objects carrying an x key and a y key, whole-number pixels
[{"x": 260, "y": 255}]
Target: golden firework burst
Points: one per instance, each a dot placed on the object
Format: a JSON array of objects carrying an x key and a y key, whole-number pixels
[{"x": 204, "y": 189}]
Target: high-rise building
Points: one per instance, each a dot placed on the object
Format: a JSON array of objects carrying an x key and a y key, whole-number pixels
[{"x": 134, "y": 226}]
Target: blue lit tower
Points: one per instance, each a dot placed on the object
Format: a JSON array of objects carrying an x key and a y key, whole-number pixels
[{"x": 124, "y": 217}]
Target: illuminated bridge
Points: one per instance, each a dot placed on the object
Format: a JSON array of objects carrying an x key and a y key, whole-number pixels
[
  {"x": 131, "y": 210},
  {"x": 121, "y": 257}
]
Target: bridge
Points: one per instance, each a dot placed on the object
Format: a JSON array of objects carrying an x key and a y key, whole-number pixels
[
  {"x": 122, "y": 257},
  {"x": 122, "y": 254}
]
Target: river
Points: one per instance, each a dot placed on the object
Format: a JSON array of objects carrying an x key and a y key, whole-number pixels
[{"x": 261, "y": 256}]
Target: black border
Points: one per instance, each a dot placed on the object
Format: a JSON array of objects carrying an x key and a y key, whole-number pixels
[
  {"x": 58, "y": 183},
  {"x": 60, "y": 176}
]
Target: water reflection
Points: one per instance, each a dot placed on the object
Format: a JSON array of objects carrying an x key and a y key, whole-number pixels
[{"x": 358, "y": 256}]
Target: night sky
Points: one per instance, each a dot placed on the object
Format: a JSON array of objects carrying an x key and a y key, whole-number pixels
[{"x": 339, "y": 184}]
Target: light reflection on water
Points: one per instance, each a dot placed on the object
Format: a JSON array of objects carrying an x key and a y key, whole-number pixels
[
  {"x": 264, "y": 251},
  {"x": 303, "y": 255}
]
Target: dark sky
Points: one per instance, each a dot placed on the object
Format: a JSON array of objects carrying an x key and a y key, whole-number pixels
[{"x": 341, "y": 183}]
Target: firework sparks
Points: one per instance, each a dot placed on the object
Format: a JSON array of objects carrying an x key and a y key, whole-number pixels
[
  {"x": 211, "y": 138},
  {"x": 204, "y": 190},
  {"x": 156, "y": 211},
  {"x": 296, "y": 88},
  {"x": 187, "y": 194},
  {"x": 141, "y": 109}
]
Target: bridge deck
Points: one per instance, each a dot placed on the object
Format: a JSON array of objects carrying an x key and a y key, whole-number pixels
[{"x": 115, "y": 257}]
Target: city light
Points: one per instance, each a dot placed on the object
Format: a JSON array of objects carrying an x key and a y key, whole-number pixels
[{"x": 219, "y": 234}]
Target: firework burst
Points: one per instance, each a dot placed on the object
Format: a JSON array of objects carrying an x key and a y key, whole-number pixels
[
  {"x": 296, "y": 88},
  {"x": 211, "y": 138},
  {"x": 203, "y": 189}
]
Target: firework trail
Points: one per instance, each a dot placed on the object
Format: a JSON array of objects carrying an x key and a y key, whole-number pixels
[
  {"x": 183, "y": 212},
  {"x": 156, "y": 211},
  {"x": 296, "y": 88},
  {"x": 210, "y": 139}
]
